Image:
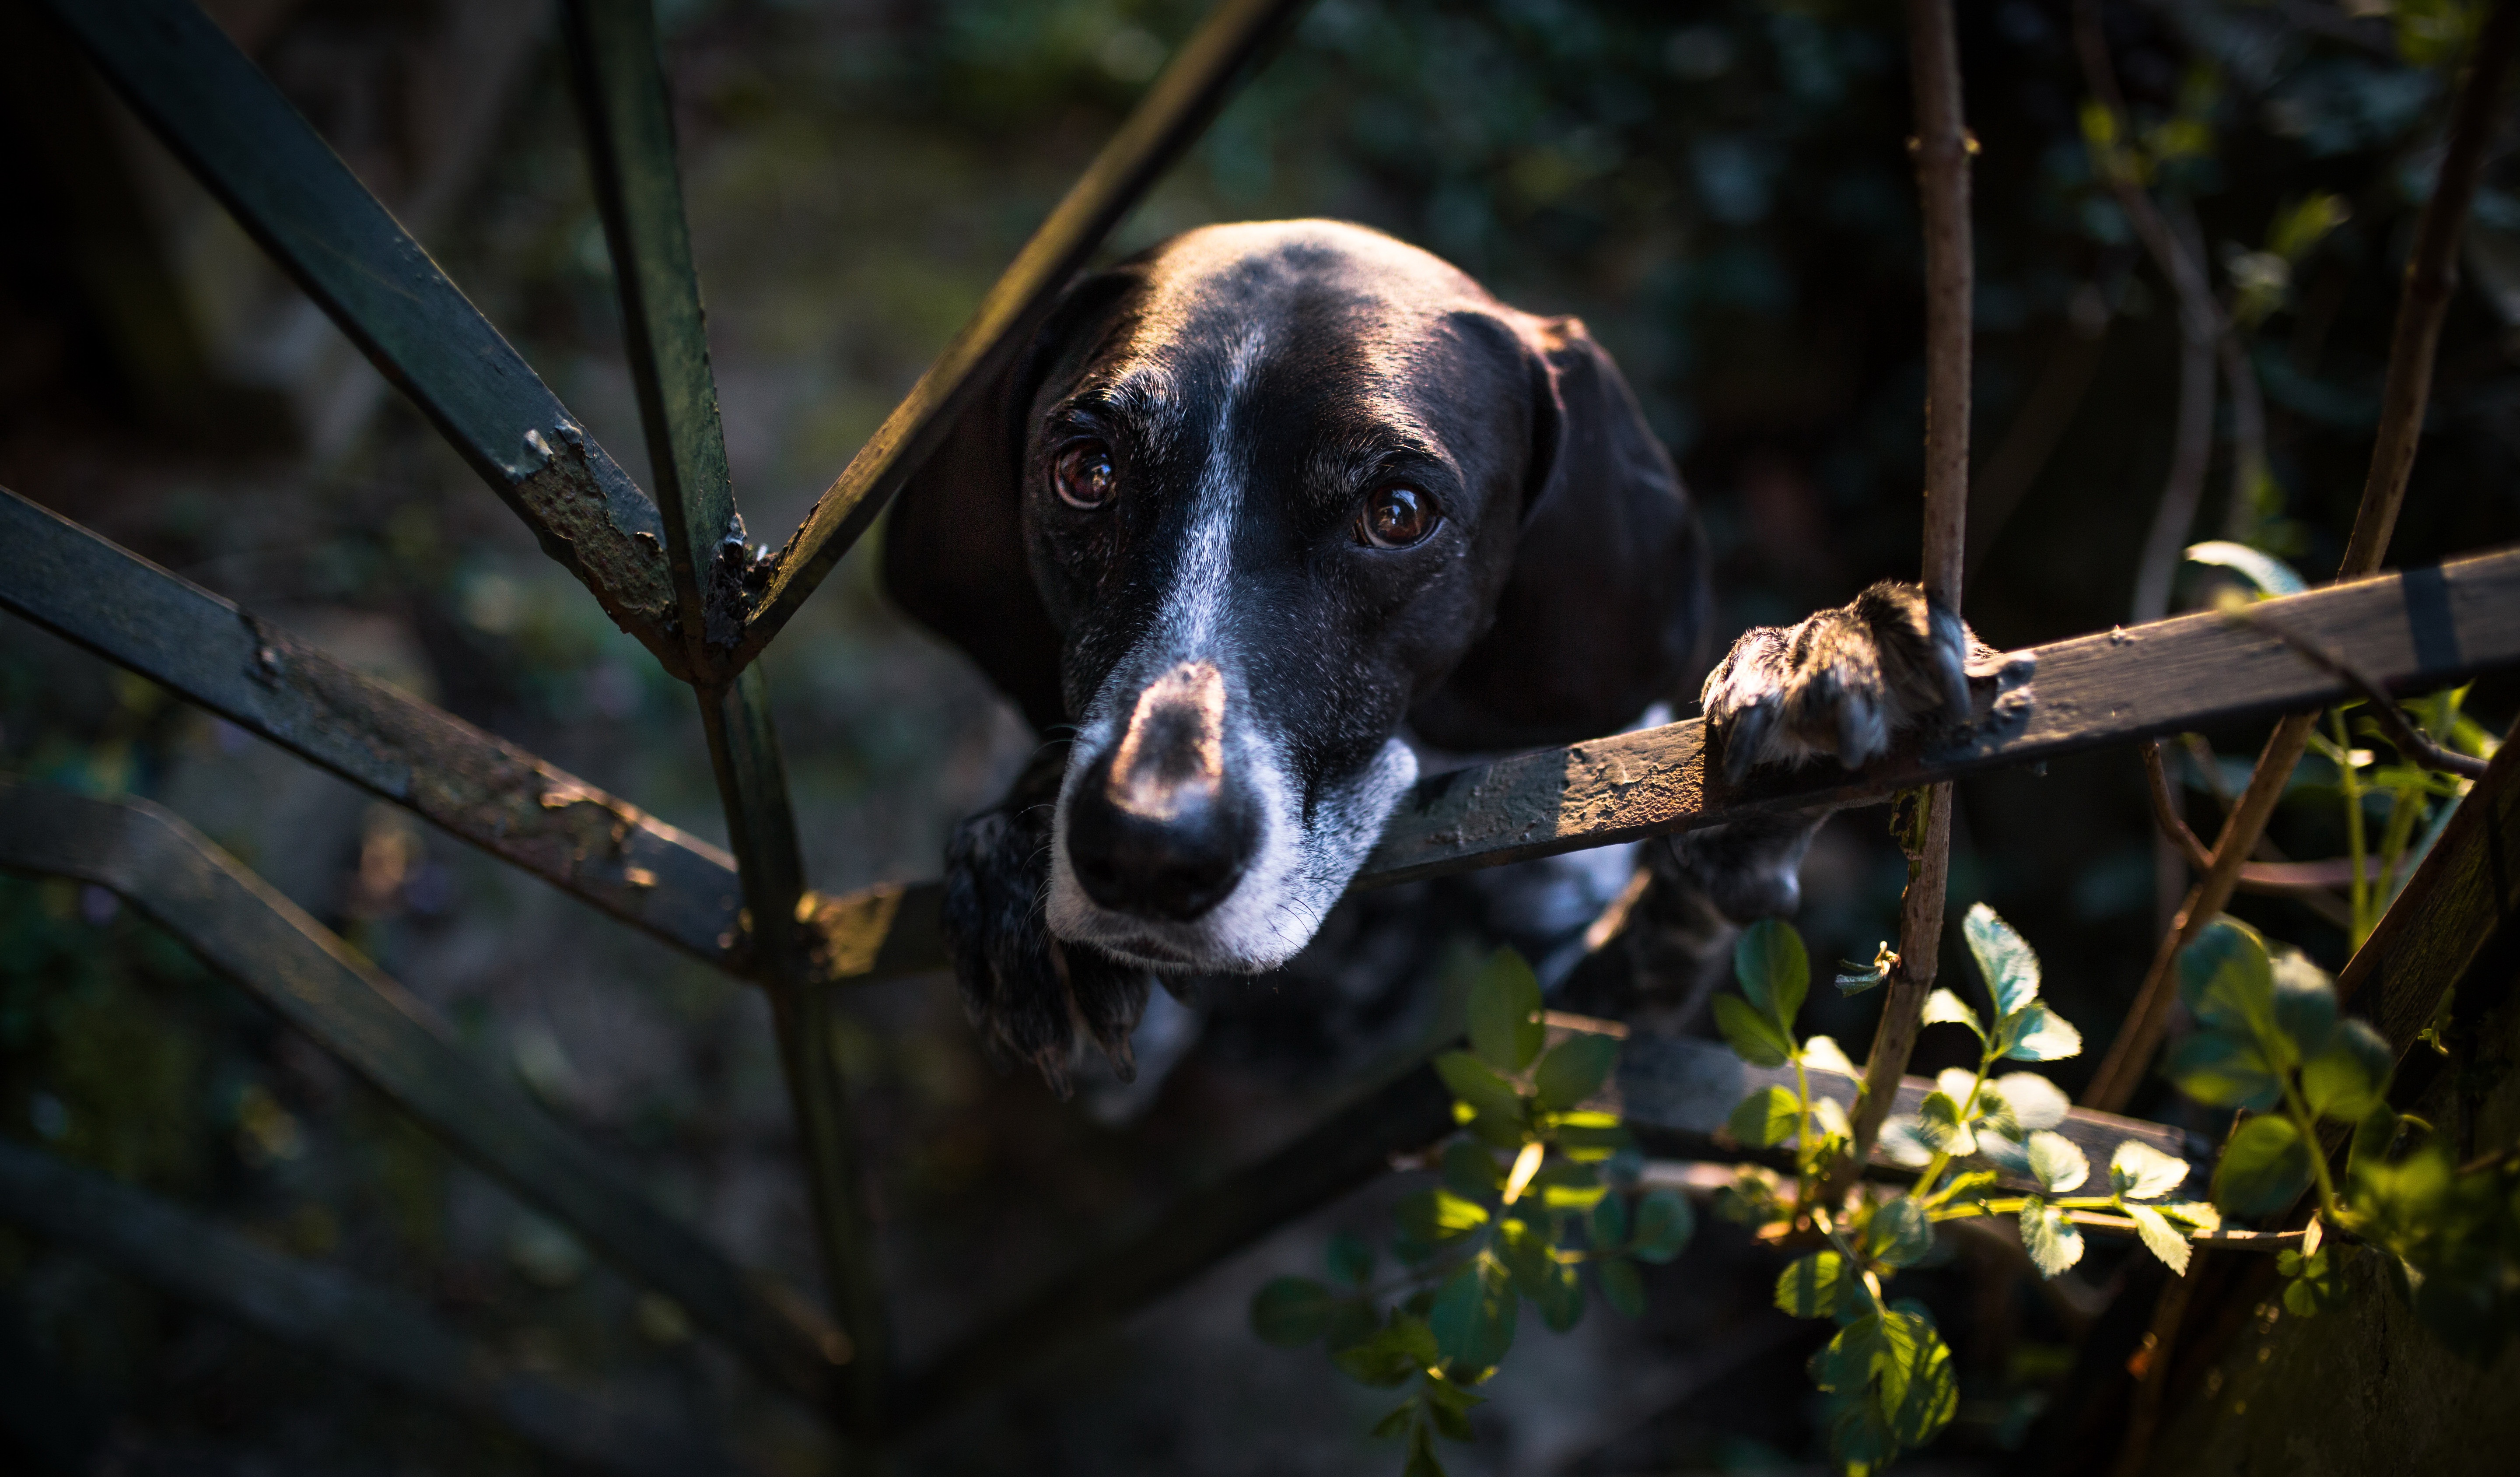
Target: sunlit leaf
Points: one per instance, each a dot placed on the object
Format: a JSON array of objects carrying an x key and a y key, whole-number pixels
[
  {"x": 1564, "y": 1186},
  {"x": 1773, "y": 970},
  {"x": 1939, "y": 1124},
  {"x": 2304, "y": 1004},
  {"x": 1623, "y": 1287},
  {"x": 2053, "y": 1241},
  {"x": 1437, "y": 1215},
  {"x": 1943, "y": 1007},
  {"x": 2004, "y": 957},
  {"x": 1752, "y": 1036},
  {"x": 2059, "y": 1163},
  {"x": 2140, "y": 1172},
  {"x": 2348, "y": 1079},
  {"x": 2039, "y": 1035},
  {"x": 2226, "y": 978},
  {"x": 1919, "y": 1392},
  {"x": 2161, "y": 1238},
  {"x": 1504, "y": 1013},
  {"x": 1899, "y": 1232},
  {"x": 2196, "y": 1213},
  {"x": 2269, "y": 575},
  {"x": 1823, "y": 1054},
  {"x": 2037, "y": 1102},
  {"x": 1811, "y": 1284},
  {"x": 1291, "y": 1311},
  {"x": 1829, "y": 1119},
  {"x": 1526, "y": 1164},
  {"x": 2265, "y": 1167},
  {"x": 1589, "y": 1137},
  {"x": 1766, "y": 1118},
  {"x": 2224, "y": 1069},
  {"x": 1574, "y": 1070},
  {"x": 1903, "y": 1143},
  {"x": 1476, "y": 1083},
  {"x": 1663, "y": 1223}
]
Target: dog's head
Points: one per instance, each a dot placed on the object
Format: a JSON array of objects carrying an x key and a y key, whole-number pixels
[{"x": 1253, "y": 500}]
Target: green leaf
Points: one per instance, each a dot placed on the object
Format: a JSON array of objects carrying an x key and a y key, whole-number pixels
[
  {"x": 1587, "y": 1136},
  {"x": 2265, "y": 1167},
  {"x": 2038, "y": 1034},
  {"x": 2036, "y": 1102},
  {"x": 1944, "y": 1008},
  {"x": 1437, "y": 1215},
  {"x": 2304, "y": 1004},
  {"x": 2226, "y": 978},
  {"x": 1397, "y": 1421},
  {"x": 2195, "y": 1213},
  {"x": 2055, "y": 1243},
  {"x": 1903, "y": 1143},
  {"x": 1574, "y": 1070},
  {"x": 1919, "y": 1392},
  {"x": 2058, "y": 1162},
  {"x": 1938, "y": 1122},
  {"x": 1392, "y": 1357},
  {"x": 1766, "y": 1118},
  {"x": 1822, "y": 1053},
  {"x": 1752, "y": 1036},
  {"x": 1291, "y": 1312},
  {"x": 1773, "y": 970},
  {"x": 1476, "y": 1083},
  {"x": 1473, "y": 1317},
  {"x": 2140, "y": 1172},
  {"x": 1664, "y": 1224},
  {"x": 2348, "y": 1079},
  {"x": 1899, "y": 1232},
  {"x": 2224, "y": 1069},
  {"x": 1845, "y": 1363},
  {"x": 1565, "y": 1186},
  {"x": 1422, "y": 1460},
  {"x": 1504, "y": 1013},
  {"x": 1811, "y": 1284},
  {"x": 1610, "y": 1223},
  {"x": 1471, "y": 1169},
  {"x": 1354, "y": 1320},
  {"x": 1351, "y": 1260},
  {"x": 2004, "y": 957},
  {"x": 1448, "y": 1422},
  {"x": 2160, "y": 1238},
  {"x": 1623, "y": 1287},
  {"x": 2373, "y": 1137}
]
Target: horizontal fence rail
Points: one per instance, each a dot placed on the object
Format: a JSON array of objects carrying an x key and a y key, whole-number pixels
[
  {"x": 285, "y": 185},
  {"x": 240, "y": 926},
  {"x": 1675, "y": 1092},
  {"x": 379, "y": 1332},
  {"x": 1188, "y": 93}
]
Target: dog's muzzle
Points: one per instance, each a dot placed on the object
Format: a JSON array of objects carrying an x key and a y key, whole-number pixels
[{"x": 1158, "y": 827}]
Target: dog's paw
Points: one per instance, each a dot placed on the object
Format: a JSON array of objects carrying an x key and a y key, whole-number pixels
[
  {"x": 1029, "y": 995},
  {"x": 1847, "y": 681}
]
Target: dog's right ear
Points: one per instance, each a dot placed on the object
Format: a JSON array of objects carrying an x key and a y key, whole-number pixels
[{"x": 953, "y": 548}]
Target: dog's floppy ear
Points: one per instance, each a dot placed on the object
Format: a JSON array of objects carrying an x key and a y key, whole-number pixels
[
  {"x": 1603, "y": 610},
  {"x": 954, "y": 548}
]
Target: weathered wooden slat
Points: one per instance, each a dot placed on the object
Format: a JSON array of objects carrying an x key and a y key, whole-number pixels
[
  {"x": 378, "y": 1333},
  {"x": 1675, "y": 1092},
  {"x": 1201, "y": 75},
  {"x": 286, "y": 187},
  {"x": 2420, "y": 629},
  {"x": 2467, "y": 887},
  {"x": 484, "y": 789},
  {"x": 253, "y": 936}
]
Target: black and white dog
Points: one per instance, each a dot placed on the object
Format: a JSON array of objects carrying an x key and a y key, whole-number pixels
[{"x": 1262, "y": 511}]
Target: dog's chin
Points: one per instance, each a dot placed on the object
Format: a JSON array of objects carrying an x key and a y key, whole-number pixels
[{"x": 1299, "y": 870}]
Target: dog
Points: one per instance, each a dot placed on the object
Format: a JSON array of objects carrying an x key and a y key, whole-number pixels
[{"x": 1261, "y": 516}]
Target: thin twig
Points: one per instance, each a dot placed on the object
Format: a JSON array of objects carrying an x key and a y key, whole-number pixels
[
  {"x": 2309, "y": 883},
  {"x": 1942, "y": 149},
  {"x": 2421, "y": 306},
  {"x": 2412, "y": 742}
]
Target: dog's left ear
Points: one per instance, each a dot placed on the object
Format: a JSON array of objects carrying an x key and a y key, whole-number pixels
[{"x": 1604, "y": 610}]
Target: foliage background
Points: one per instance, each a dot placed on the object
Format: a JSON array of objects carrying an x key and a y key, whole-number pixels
[{"x": 1719, "y": 189}]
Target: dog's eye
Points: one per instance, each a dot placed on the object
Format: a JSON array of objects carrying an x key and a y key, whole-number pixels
[
  {"x": 1084, "y": 475},
  {"x": 1396, "y": 517}
]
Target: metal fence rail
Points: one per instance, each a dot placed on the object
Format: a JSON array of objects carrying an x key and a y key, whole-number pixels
[{"x": 677, "y": 572}]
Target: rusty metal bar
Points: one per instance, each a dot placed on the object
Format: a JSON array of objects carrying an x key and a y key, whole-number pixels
[
  {"x": 376, "y": 1331},
  {"x": 285, "y": 185},
  {"x": 250, "y": 934},
  {"x": 1188, "y": 93}
]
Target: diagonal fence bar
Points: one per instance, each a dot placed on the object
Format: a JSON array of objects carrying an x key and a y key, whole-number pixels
[
  {"x": 630, "y": 137},
  {"x": 1182, "y": 99},
  {"x": 379, "y": 1332},
  {"x": 250, "y": 934},
  {"x": 292, "y": 193}
]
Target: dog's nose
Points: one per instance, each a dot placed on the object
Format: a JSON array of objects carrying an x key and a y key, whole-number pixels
[{"x": 1157, "y": 827}]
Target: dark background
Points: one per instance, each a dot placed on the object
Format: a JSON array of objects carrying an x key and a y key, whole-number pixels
[{"x": 1720, "y": 190}]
